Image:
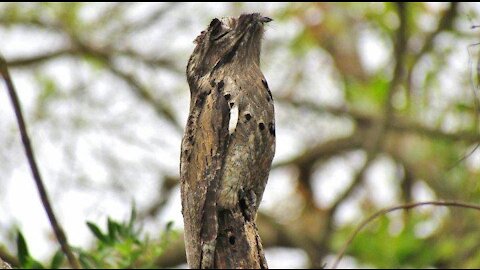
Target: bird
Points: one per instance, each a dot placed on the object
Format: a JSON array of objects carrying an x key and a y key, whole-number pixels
[{"x": 229, "y": 139}]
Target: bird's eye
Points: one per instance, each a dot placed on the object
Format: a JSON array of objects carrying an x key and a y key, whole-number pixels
[
  {"x": 215, "y": 26},
  {"x": 217, "y": 29}
]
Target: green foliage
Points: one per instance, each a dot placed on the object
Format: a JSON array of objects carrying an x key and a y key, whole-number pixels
[
  {"x": 302, "y": 44},
  {"x": 26, "y": 261},
  {"x": 435, "y": 94},
  {"x": 57, "y": 260},
  {"x": 49, "y": 91},
  {"x": 122, "y": 245},
  {"x": 378, "y": 246},
  {"x": 371, "y": 96}
]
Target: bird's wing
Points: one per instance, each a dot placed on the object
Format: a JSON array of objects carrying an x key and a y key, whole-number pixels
[{"x": 203, "y": 151}]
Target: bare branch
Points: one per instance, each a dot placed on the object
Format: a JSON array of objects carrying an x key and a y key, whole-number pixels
[
  {"x": 324, "y": 150},
  {"x": 160, "y": 107},
  {"x": 38, "y": 59},
  {"x": 105, "y": 56},
  {"x": 445, "y": 24},
  {"x": 62, "y": 239},
  {"x": 397, "y": 124},
  {"x": 158, "y": 62}
]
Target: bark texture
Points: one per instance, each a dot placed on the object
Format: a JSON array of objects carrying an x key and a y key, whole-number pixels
[{"x": 4, "y": 265}]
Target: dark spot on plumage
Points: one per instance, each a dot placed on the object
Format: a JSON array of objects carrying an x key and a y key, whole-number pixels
[
  {"x": 227, "y": 97},
  {"x": 248, "y": 116},
  {"x": 270, "y": 94},
  {"x": 190, "y": 138},
  {"x": 220, "y": 85},
  {"x": 189, "y": 123},
  {"x": 271, "y": 128},
  {"x": 201, "y": 98},
  {"x": 199, "y": 102},
  {"x": 265, "y": 84},
  {"x": 231, "y": 240},
  {"x": 261, "y": 126},
  {"x": 189, "y": 157},
  {"x": 213, "y": 83},
  {"x": 231, "y": 104}
]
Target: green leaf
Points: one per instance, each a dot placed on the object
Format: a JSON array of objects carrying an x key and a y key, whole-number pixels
[
  {"x": 96, "y": 63},
  {"x": 97, "y": 232},
  {"x": 133, "y": 217},
  {"x": 112, "y": 229},
  {"x": 169, "y": 226},
  {"x": 49, "y": 88},
  {"x": 86, "y": 262},
  {"x": 22, "y": 249},
  {"x": 33, "y": 264},
  {"x": 57, "y": 260}
]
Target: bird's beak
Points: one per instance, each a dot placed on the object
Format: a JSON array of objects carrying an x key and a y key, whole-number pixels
[{"x": 265, "y": 19}]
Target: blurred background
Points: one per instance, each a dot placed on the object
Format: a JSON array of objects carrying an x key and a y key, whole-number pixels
[{"x": 376, "y": 105}]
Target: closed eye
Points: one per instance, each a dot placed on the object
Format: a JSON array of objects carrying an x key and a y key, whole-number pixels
[{"x": 220, "y": 36}]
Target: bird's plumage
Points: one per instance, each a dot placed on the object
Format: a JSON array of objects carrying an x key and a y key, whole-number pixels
[{"x": 229, "y": 141}]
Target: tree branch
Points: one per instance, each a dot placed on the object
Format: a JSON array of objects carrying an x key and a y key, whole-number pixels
[
  {"x": 105, "y": 57},
  {"x": 324, "y": 150},
  {"x": 445, "y": 24},
  {"x": 62, "y": 239},
  {"x": 38, "y": 59},
  {"x": 396, "y": 124}
]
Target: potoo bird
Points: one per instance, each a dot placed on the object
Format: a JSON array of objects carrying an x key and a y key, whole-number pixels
[{"x": 229, "y": 140}]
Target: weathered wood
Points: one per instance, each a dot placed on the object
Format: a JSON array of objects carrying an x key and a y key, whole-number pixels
[
  {"x": 238, "y": 243},
  {"x": 4, "y": 265}
]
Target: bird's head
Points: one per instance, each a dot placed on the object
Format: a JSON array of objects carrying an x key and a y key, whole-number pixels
[{"x": 227, "y": 41}]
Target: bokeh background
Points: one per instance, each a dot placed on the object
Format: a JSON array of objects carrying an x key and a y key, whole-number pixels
[{"x": 376, "y": 105}]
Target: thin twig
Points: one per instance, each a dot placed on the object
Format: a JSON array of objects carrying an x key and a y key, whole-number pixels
[
  {"x": 62, "y": 239},
  {"x": 395, "y": 208}
]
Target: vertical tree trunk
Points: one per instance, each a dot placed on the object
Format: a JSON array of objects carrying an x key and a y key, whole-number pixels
[{"x": 238, "y": 242}]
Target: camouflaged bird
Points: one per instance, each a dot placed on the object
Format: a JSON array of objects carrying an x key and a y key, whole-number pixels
[{"x": 229, "y": 140}]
